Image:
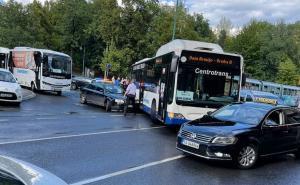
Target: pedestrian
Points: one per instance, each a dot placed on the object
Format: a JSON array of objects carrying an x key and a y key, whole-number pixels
[
  {"x": 113, "y": 79},
  {"x": 130, "y": 97},
  {"x": 117, "y": 82}
]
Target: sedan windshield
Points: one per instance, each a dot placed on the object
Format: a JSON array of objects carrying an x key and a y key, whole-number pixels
[
  {"x": 114, "y": 89},
  {"x": 7, "y": 77},
  {"x": 242, "y": 113}
]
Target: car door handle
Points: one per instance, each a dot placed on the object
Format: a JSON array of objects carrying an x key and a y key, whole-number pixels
[{"x": 285, "y": 131}]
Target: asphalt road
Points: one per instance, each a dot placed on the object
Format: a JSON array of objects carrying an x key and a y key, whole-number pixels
[{"x": 82, "y": 144}]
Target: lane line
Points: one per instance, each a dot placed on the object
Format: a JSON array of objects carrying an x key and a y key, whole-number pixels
[
  {"x": 79, "y": 135},
  {"x": 147, "y": 165},
  {"x": 117, "y": 115},
  {"x": 45, "y": 118},
  {"x": 4, "y": 120}
]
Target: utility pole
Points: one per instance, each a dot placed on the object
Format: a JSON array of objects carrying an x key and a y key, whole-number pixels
[
  {"x": 83, "y": 61},
  {"x": 175, "y": 20}
]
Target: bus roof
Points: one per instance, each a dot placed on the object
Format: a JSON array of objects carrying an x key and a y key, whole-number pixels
[
  {"x": 291, "y": 87},
  {"x": 254, "y": 81},
  {"x": 40, "y": 50},
  {"x": 4, "y": 50},
  {"x": 178, "y": 45},
  {"x": 141, "y": 61},
  {"x": 271, "y": 84}
]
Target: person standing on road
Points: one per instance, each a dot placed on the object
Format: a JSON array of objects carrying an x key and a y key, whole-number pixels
[
  {"x": 130, "y": 97},
  {"x": 117, "y": 82}
]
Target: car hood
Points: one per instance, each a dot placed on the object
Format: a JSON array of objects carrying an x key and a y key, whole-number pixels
[
  {"x": 8, "y": 87},
  {"x": 216, "y": 127},
  {"x": 116, "y": 96},
  {"x": 28, "y": 173}
]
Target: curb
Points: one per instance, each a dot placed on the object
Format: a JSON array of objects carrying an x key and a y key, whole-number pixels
[{"x": 27, "y": 94}]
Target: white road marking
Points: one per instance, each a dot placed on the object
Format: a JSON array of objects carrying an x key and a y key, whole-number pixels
[
  {"x": 96, "y": 179},
  {"x": 4, "y": 120},
  {"x": 117, "y": 115},
  {"x": 46, "y": 118},
  {"x": 79, "y": 135}
]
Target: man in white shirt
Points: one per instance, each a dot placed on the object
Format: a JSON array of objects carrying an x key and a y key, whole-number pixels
[{"x": 130, "y": 97}]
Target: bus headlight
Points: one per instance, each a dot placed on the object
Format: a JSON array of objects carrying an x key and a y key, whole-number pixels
[
  {"x": 224, "y": 140},
  {"x": 175, "y": 115}
]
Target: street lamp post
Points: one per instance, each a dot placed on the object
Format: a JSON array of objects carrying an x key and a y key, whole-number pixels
[
  {"x": 83, "y": 60},
  {"x": 175, "y": 20}
]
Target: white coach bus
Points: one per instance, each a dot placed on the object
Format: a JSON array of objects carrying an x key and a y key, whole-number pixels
[
  {"x": 4, "y": 57},
  {"x": 41, "y": 69},
  {"x": 186, "y": 79}
]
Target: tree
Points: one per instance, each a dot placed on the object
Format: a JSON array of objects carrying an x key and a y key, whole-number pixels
[
  {"x": 287, "y": 72},
  {"x": 223, "y": 30}
]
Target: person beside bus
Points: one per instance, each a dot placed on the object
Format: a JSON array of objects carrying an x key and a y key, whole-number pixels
[{"x": 130, "y": 97}]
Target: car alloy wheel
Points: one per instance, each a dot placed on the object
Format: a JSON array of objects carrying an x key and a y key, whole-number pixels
[
  {"x": 82, "y": 99},
  {"x": 247, "y": 157}
]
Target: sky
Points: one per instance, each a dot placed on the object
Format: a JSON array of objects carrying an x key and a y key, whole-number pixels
[{"x": 240, "y": 12}]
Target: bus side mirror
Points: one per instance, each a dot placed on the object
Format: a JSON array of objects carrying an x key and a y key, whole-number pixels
[
  {"x": 37, "y": 58},
  {"x": 174, "y": 63},
  {"x": 244, "y": 79}
]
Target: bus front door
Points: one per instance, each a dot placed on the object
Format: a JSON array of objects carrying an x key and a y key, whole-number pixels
[{"x": 162, "y": 95}]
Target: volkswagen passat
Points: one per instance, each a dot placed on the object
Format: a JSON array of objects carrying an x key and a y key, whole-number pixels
[
  {"x": 10, "y": 90},
  {"x": 242, "y": 132}
]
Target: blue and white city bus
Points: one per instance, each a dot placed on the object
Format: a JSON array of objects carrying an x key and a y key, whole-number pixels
[{"x": 186, "y": 79}]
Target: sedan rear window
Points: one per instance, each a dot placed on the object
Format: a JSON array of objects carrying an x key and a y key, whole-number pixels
[{"x": 240, "y": 113}]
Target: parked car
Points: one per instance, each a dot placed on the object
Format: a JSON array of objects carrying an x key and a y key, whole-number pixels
[
  {"x": 242, "y": 132},
  {"x": 10, "y": 90},
  {"x": 79, "y": 82},
  {"x": 16, "y": 172},
  {"x": 103, "y": 94}
]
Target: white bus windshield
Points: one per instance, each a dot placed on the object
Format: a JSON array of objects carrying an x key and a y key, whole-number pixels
[
  {"x": 58, "y": 67},
  {"x": 204, "y": 82}
]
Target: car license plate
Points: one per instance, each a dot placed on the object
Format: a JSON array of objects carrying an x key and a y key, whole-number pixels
[
  {"x": 190, "y": 144},
  {"x": 6, "y": 95}
]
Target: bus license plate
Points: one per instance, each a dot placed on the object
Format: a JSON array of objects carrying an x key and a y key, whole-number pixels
[{"x": 190, "y": 144}]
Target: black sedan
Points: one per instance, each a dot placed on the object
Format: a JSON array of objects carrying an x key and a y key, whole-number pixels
[
  {"x": 103, "y": 94},
  {"x": 242, "y": 132},
  {"x": 79, "y": 82}
]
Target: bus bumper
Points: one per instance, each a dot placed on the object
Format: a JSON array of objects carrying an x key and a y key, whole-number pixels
[{"x": 174, "y": 121}]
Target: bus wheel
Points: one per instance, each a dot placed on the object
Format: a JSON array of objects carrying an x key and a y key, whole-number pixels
[
  {"x": 33, "y": 87},
  {"x": 82, "y": 99},
  {"x": 73, "y": 86},
  {"x": 58, "y": 93},
  {"x": 153, "y": 112}
]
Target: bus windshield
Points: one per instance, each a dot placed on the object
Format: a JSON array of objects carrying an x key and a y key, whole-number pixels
[
  {"x": 203, "y": 87},
  {"x": 58, "y": 67}
]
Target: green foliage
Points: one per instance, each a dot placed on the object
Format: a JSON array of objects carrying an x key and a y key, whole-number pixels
[
  {"x": 287, "y": 72},
  {"x": 123, "y": 34}
]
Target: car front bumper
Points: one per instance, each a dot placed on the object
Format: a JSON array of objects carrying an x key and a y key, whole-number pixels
[{"x": 207, "y": 150}]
